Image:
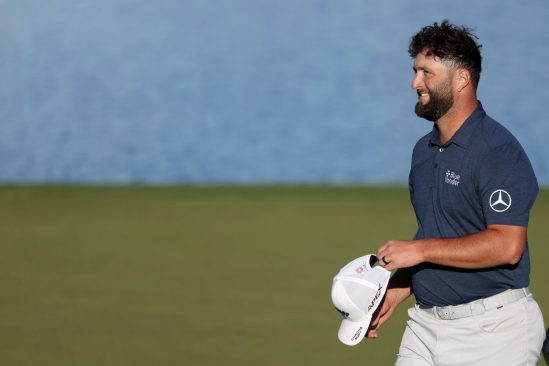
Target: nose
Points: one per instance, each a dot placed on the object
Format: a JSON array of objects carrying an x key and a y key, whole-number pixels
[{"x": 417, "y": 82}]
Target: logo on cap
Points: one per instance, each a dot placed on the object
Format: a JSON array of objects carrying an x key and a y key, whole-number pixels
[
  {"x": 500, "y": 200},
  {"x": 375, "y": 297},
  {"x": 357, "y": 334},
  {"x": 343, "y": 313}
]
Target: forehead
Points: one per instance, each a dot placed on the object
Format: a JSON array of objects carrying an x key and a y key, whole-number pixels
[{"x": 428, "y": 62}]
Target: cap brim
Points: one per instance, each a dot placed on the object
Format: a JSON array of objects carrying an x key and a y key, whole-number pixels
[{"x": 351, "y": 333}]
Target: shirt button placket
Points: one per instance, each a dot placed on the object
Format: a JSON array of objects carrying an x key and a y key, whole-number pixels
[{"x": 437, "y": 161}]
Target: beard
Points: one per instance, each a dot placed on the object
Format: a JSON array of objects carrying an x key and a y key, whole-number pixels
[{"x": 441, "y": 99}]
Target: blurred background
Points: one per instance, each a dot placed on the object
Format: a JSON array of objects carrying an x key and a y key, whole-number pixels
[
  {"x": 181, "y": 180},
  {"x": 244, "y": 91}
]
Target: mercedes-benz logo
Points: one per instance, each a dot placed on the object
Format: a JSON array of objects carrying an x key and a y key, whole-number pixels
[{"x": 500, "y": 200}]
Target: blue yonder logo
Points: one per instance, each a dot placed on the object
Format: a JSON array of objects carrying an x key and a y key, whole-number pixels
[{"x": 452, "y": 178}]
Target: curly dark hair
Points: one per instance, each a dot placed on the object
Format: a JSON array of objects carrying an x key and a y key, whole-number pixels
[{"x": 454, "y": 45}]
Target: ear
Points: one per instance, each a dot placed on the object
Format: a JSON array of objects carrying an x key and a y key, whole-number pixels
[{"x": 463, "y": 79}]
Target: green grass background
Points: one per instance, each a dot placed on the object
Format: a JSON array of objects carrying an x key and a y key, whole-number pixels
[{"x": 198, "y": 276}]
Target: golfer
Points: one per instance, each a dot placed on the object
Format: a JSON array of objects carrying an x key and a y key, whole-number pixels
[{"x": 472, "y": 188}]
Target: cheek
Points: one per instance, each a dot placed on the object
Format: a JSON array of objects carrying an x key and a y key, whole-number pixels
[{"x": 429, "y": 86}]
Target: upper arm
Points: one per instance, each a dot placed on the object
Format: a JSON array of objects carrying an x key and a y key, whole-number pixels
[{"x": 507, "y": 186}]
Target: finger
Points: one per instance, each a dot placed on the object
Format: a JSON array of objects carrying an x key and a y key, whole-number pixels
[
  {"x": 382, "y": 321},
  {"x": 380, "y": 255},
  {"x": 381, "y": 250},
  {"x": 371, "y": 333},
  {"x": 384, "y": 260},
  {"x": 375, "y": 321}
]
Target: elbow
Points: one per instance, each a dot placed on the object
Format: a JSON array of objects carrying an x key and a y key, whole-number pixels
[
  {"x": 511, "y": 241},
  {"x": 514, "y": 253},
  {"x": 514, "y": 260}
]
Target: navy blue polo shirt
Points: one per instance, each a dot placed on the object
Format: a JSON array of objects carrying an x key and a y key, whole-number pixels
[{"x": 480, "y": 177}]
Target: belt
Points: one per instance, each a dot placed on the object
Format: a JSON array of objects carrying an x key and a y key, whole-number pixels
[{"x": 478, "y": 307}]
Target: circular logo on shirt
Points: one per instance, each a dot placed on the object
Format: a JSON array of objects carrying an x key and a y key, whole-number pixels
[{"x": 500, "y": 200}]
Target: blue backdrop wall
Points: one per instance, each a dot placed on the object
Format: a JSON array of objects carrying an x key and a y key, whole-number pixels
[{"x": 244, "y": 91}]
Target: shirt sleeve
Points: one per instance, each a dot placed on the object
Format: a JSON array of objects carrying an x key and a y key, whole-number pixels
[{"x": 507, "y": 186}]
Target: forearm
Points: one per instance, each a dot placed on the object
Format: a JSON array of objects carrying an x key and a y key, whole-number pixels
[
  {"x": 400, "y": 286},
  {"x": 488, "y": 248},
  {"x": 495, "y": 246}
]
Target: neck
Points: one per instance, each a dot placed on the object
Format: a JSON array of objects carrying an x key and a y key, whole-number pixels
[{"x": 452, "y": 121}]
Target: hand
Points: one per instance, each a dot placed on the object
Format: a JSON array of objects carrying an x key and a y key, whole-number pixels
[
  {"x": 399, "y": 289},
  {"x": 399, "y": 254},
  {"x": 382, "y": 314}
]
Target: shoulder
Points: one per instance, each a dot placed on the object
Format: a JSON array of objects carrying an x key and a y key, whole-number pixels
[
  {"x": 493, "y": 136},
  {"x": 498, "y": 150}
]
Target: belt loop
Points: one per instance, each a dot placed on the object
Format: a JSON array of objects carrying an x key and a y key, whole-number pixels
[
  {"x": 473, "y": 313},
  {"x": 525, "y": 293},
  {"x": 480, "y": 308},
  {"x": 435, "y": 312}
]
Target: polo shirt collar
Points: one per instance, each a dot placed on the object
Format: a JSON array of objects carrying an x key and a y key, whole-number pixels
[{"x": 463, "y": 134}]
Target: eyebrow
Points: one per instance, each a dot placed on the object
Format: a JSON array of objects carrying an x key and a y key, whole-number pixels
[{"x": 422, "y": 68}]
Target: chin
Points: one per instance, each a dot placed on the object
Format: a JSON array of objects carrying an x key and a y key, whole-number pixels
[{"x": 420, "y": 104}]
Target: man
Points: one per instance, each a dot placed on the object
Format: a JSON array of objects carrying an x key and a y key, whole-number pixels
[{"x": 472, "y": 187}]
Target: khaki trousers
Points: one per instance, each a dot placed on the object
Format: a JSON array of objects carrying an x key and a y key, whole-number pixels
[{"x": 508, "y": 336}]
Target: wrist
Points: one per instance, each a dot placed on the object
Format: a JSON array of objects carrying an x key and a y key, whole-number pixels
[
  {"x": 394, "y": 296},
  {"x": 421, "y": 250}
]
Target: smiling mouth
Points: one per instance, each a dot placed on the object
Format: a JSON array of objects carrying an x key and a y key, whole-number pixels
[{"x": 422, "y": 95}]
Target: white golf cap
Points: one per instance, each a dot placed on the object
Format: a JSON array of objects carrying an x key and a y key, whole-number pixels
[{"x": 357, "y": 291}]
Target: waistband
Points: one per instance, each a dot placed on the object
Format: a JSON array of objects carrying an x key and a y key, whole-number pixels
[{"x": 477, "y": 307}]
